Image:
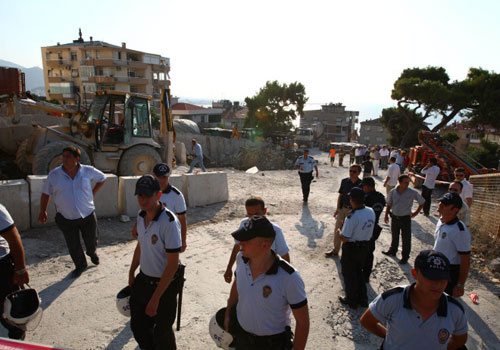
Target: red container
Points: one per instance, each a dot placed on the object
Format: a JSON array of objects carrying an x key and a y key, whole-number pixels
[{"x": 12, "y": 81}]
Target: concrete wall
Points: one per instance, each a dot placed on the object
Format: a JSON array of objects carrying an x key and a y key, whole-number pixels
[
  {"x": 177, "y": 180},
  {"x": 206, "y": 188},
  {"x": 106, "y": 200},
  {"x": 36, "y": 184},
  {"x": 127, "y": 203},
  {"x": 15, "y": 197}
]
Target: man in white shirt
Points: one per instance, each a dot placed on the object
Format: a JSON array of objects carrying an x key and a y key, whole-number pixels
[
  {"x": 71, "y": 188},
  {"x": 384, "y": 157},
  {"x": 392, "y": 175},
  {"x": 464, "y": 213},
  {"x": 431, "y": 172},
  {"x": 466, "y": 194}
]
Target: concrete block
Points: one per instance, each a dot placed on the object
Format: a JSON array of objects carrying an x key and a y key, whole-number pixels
[
  {"x": 127, "y": 202},
  {"x": 15, "y": 197},
  {"x": 180, "y": 153},
  {"x": 177, "y": 180},
  {"x": 206, "y": 188},
  {"x": 36, "y": 184},
  {"x": 106, "y": 200}
]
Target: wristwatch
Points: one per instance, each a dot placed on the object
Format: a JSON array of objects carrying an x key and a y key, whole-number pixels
[{"x": 460, "y": 285}]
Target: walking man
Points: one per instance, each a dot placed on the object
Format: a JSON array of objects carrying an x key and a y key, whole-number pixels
[
  {"x": 376, "y": 160},
  {"x": 305, "y": 164},
  {"x": 344, "y": 206},
  {"x": 13, "y": 273},
  {"x": 153, "y": 299},
  {"x": 467, "y": 190},
  {"x": 73, "y": 196},
  {"x": 264, "y": 291},
  {"x": 332, "y": 156},
  {"x": 384, "y": 157},
  {"x": 453, "y": 240},
  {"x": 431, "y": 172},
  {"x": 356, "y": 234},
  {"x": 197, "y": 151},
  {"x": 341, "y": 155},
  {"x": 393, "y": 173},
  {"x": 399, "y": 203}
]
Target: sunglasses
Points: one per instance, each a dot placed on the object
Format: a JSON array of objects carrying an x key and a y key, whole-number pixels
[
  {"x": 353, "y": 171},
  {"x": 452, "y": 190},
  {"x": 459, "y": 175}
]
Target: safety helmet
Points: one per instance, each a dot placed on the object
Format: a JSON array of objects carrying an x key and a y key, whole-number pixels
[
  {"x": 22, "y": 309},
  {"x": 217, "y": 332},
  {"x": 123, "y": 301}
]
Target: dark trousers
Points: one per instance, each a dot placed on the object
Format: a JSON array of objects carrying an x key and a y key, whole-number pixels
[
  {"x": 427, "y": 193},
  {"x": 7, "y": 286},
  {"x": 454, "y": 274},
  {"x": 401, "y": 225},
  {"x": 383, "y": 162},
  {"x": 153, "y": 333},
  {"x": 352, "y": 262},
  {"x": 305, "y": 181},
  {"x": 71, "y": 230},
  {"x": 341, "y": 159},
  {"x": 359, "y": 159},
  {"x": 368, "y": 266}
]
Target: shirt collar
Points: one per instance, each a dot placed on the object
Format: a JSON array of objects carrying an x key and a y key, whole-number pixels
[
  {"x": 167, "y": 189},
  {"x": 157, "y": 216},
  {"x": 353, "y": 210},
  {"x": 273, "y": 270},
  {"x": 452, "y": 222},
  {"x": 442, "y": 309}
]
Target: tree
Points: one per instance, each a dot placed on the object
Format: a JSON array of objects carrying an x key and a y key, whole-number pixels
[
  {"x": 488, "y": 155},
  {"x": 397, "y": 125},
  {"x": 274, "y": 107},
  {"x": 451, "y": 137}
]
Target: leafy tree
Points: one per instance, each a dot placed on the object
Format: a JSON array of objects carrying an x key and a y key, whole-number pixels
[
  {"x": 488, "y": 155},
  {"x": 451, "y": 137},
  {"x": 397, "y": 124},
  {"x": 274, "y": 107}
]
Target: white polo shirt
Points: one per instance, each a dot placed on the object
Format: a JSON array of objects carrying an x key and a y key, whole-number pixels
[
  {"x": 264, "y": 303},
  {"x": 452, "y": 239},
  {"x": 73, "y": 198},
  {"x": 279, "y": 245},
  {"x": 405, "y": 328},
  {"x": 163, "y": 235},
  {"x": 466, "y": 190},
  {"x": 173, "y": 200},
  {"x": 6, "y": 224},
  {"x": 358, "y": 226},
  {"x": 384, "y": 152},
  {"x": 431, "y": 175},
  {"x": 393, "y": 173},
  {"x": 306, "y": 164}
]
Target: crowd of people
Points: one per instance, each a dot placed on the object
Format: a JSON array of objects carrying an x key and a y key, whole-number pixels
[{"x": 266, "y": 288}]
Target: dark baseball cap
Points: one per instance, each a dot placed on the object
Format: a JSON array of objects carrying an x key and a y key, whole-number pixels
[
  {"x": 161, "y": 169},
  {"x": 368, "y": 181},
  {"x": 451, "y": 198},
  {"x": 357, "y": 193},
  {"x": 433, "y": 265},
  {"x": 256, "y": 226},
  {"x": 147, "y": 184},
  {"x": 306, "y": 150}
]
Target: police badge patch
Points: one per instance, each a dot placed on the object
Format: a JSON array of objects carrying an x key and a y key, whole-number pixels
[
  {"x": 443, "y": 335},
  {"x": 443, "y": 236},
  {"x": 266, "y": 291},
  {"x": 154, "y": 239}
]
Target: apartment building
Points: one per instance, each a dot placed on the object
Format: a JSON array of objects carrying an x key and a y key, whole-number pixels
[
  {"x": 336, "y": 121},
  {"x": 372, "y": 132},
  {"x": 84, "y": 67}
]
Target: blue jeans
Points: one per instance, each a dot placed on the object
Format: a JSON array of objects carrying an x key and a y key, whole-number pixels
[{"x": 197, "y": 160}]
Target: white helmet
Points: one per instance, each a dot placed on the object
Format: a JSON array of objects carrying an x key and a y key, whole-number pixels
[
  {"x": 22, "y": 309},
  {"x": 123, "y": 301},
  {"x": 217, "y": 332}
]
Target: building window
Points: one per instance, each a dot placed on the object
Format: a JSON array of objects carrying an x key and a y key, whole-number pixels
[
  {"x": 109, "y": 87},
  {"x": 88, "y": 55},
  {"x": 74, "y": 73},
  {"x": 59, "y": 55},
  {"x": 89, "y": 88},
  {"x": 117, "y": 55},
  {"x": 381, "y": 129},
  {"x": 155, "y": 76},
  {"x": 87, "y": 71},
  {"x": 380, "y": 139},
  {"x": 367, "y": 128},
  {"x": 73, "y": 55},
  {"x": 133, "y": 88},
  {"x": 162, "y": 76},
  {"x": 97, "y": 54}
]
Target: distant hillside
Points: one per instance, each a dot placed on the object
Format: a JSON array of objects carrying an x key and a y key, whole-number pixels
[{"x": 33, "y": 75}]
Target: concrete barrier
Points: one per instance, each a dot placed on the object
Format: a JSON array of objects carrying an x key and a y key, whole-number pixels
[
  {"x": 127, "y": 202},
  {"x": 15, "y": 197},
  {"x": 36, "y": 184},
  {"x": 206, "y": 188},
  {"x": 106, "y": 200},
  {"x": 177, "y": 180}
]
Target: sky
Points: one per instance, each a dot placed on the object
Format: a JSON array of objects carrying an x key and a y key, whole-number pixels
[{"x": 342, "y": 51}]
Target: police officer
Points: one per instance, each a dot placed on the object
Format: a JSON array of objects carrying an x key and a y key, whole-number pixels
[
  {"x": 13, "y": 273},
  {"x": 356, "y": 234},
  {"x": 153, "y": 297},
  {"x": 376, "y": 201},
  {"x": 305, "y": 164},
  {"x": 420, "y": 315},
  {"x": 266, "y": 287},
  {"x": 255, "y": 206},
  {"x": 453, "y": 240},
  {"x": 341, "y": 155}
]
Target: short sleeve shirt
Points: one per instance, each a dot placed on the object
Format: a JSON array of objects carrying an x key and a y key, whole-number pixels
[
  {"x": 73, "y": 198},
  {"x": 332, "y": 153},
  {"x": 264, "y": 303},
  {"x": 197, "y": 150},
  {"x": 401, "y": 203},
  {"x": 376, "y": 201},
  {"x": 163, "y": 235},
  {"x": 466, "y": 190},
  {"x": 279, "y": 245},
  {"x": 393, "y": 173},
  {"x": 346, "y": 185},
  {"x": 452, "y": 239},
  {"x": 173, "y": 200},
  {"x": 431, "y": 175},
  {"x": 307, "y": 164},
  {"x": 359, "y": 225},
  {"x": 384, "y": 152},
  {"x": 6, "y": 224},
  {"x": 405, "y": 329}
]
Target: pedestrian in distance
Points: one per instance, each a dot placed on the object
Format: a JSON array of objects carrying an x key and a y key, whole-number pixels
[
  {"x": 391, "y": 180},
  {"x": 356, "y": 234},
  {"x": 344, "y": 206},
  {"x": 431, "y": 172},
  {"x": 384, "y": 157},
  {"x": 467, "y": 190},
  {"x": 266, "y": 288},
  {"x": 464, "y": 213},
  {"x": 399, "y": 205},
  {"x": 153, "y": 299},
  {"x": 352, "y": 155},
  {"x": 332, "y": 156},
  {"x": 420, "y": 315},
  {"x": 70, "y": 186},
  {"x": 376, "y": 160},
  {"x": 13, "y": 272},
  {"x": 305, "y": 165},
  {"x": 368, "y": 169},
  {"x": 255, "y": 206},
  {"x": 198, "y": 152},
  {"x": 341, "y": 155}
]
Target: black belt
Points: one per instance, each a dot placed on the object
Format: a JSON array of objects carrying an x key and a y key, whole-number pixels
[
  {"x": 266, "y": 340},
  {"x": 149, "y": 279},
  {"x": 358, "y": 243},
  {"x": 400, "y": 217}
]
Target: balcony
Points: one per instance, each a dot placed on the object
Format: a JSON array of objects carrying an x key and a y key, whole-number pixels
[
  {"x": 101, "y": 79},
  {"x": 131, "y": 80},
  {"x": 58, "y": 63},
  {"x": 56, "y": 79}
]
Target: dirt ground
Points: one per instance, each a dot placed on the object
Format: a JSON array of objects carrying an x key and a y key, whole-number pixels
[{"x": 81, "y": 313}]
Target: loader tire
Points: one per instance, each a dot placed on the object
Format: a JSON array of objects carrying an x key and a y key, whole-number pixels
[
  {"x": 50, "y": 157},
  {"x": 138, "y": 160},
  {"x": 22, "y": 158}
]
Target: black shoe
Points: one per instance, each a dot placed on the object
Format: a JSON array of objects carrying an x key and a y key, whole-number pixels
[
  {"x": 403, "y": 261},
  {"x": 389, "y": 253},
  {"x": 77, "y": 272},
  {"x": 94, "y": 258},
  {"x": 347, "y": 302}
]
